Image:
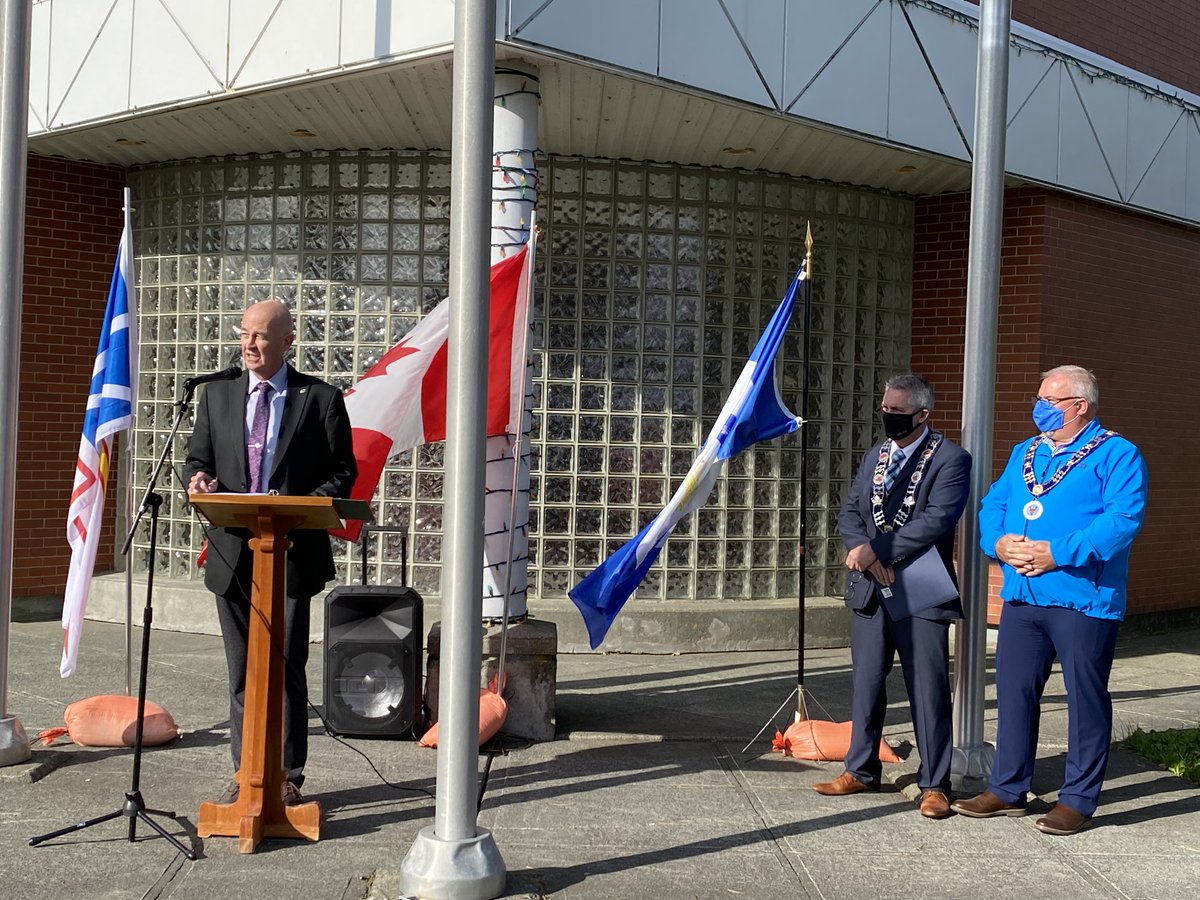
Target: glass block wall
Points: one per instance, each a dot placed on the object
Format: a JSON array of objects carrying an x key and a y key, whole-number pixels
[{"x": 654, "y": 282}]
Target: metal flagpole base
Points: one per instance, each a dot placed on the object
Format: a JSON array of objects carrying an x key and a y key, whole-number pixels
[
  {"x": 454, "y": 870},
  {"x": 14, "y": 745},
  {"x": 970, "y": 767}
]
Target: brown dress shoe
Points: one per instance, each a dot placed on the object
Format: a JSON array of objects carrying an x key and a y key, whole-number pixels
[
  {"x": 290, "y": 794},
  {"x": 842, "y": 785},
  {"x": 935, "y": 805},
  {"x": 1061, "y": 820},
  {"x": 985, "y": 806}
]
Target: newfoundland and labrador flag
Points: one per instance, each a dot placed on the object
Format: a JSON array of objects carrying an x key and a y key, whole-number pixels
[
  {"x": 109, "y": 410},
  {"x": 400, "y": 403},
  {"x": 754, "y": 412}
]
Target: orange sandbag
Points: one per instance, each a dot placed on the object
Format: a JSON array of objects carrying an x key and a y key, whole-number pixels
[
  {"x": 110, "y": 720},
  {"x": 823, "y": 741},
  {"x": 492, "y": 712}
]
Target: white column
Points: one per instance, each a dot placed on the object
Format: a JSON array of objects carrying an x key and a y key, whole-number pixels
[{"x": 514, "y": 195}]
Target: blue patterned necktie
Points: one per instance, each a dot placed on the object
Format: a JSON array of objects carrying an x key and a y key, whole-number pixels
[
  {"x": 895, "y": 464},
  {"x": 256, "y": 446}
]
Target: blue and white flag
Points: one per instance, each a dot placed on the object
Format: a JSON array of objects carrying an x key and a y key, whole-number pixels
[
  {"x": 109, "y": 410},
  {"x": 754, "y": 412}
]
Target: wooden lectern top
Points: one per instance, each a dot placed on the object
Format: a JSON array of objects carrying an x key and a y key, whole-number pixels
[{"x": 245, "y": 510}]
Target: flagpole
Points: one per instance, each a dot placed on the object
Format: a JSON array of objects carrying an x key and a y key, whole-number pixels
[
  {"x": 127, "y": 459},
  {"x": 454, "y": 857},
  {"x": 972, "y": 755},
  {"x": 801, "y": 710},
  {"x": 14, "y": 122}
]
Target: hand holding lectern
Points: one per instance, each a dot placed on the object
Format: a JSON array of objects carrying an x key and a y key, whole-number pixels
[{"x": 259, "y": 811}]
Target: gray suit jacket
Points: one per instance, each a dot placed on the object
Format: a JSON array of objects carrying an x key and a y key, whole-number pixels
[
  {"x": 314, "y": 456},
  {"x": 940, "y": 500}
]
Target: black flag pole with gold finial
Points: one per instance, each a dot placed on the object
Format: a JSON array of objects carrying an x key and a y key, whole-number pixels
[
  {"x": 800, "y": 693},
  {"x": 801, "y": 711},
  {"x": 807, "y": 738}
]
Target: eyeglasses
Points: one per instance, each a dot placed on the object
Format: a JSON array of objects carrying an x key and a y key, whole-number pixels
[{"x": 1052, "y": 401}]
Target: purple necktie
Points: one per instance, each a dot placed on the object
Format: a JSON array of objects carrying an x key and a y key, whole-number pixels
[{"x": 257, "y": 445}]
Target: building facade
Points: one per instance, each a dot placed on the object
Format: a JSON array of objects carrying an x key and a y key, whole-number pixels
[{"x": 300, "y": 150}]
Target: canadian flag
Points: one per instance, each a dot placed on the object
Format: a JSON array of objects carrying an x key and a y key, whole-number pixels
[{"x": 400, "y": 402}]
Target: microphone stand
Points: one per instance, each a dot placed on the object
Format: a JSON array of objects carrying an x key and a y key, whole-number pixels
[{"x": 134, "y": 807}]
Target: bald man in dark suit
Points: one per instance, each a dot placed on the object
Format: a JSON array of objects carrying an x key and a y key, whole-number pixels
[{"x": 271, "y": 430}]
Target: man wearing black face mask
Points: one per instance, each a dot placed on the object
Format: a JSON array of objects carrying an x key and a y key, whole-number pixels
[{"x": 898, "y": 524}]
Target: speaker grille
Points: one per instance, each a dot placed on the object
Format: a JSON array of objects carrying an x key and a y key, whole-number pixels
[{"x": 370, "y": 681}]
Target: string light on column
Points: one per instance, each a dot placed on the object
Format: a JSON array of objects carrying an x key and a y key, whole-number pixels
[{"x": 515, "y": 180}]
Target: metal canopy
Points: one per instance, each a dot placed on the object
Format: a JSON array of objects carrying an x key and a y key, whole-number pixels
[{"x": 586, "y": 111}]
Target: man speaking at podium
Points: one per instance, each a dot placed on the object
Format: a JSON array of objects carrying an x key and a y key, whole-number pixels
[{"x": 271, "y": 429}]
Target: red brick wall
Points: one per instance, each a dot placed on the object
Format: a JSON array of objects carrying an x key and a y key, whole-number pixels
[
  {"x": 939, "y": 315},
  {"x": 1121, "y": 301},
  {"x": 72, "y": 224},
  {"x": 1085, "y": 283},
  {"x": 1157, "y": 37},
  {"x": 938, "y": 321}
]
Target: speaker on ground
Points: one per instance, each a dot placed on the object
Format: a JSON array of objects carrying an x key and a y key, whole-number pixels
[{"x": 373, "y": 641}]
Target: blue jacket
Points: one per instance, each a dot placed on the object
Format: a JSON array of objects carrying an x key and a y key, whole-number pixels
[{"x": 1090, "y": 519}]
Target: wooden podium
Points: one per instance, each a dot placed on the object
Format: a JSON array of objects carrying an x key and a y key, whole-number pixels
[{"x": 258, "y": 811}]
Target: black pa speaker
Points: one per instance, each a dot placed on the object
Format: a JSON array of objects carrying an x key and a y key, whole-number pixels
[{"x": 373, "y": 641}]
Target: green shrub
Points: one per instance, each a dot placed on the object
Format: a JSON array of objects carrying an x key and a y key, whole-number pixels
[{"x": 1177, "y": 749}]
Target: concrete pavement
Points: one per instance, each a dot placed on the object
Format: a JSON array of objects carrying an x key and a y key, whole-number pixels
[{"x": 646, "y": 793}]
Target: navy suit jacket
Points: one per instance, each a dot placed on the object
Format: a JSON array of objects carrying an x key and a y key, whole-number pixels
[
  {"x": 314, "y": 456},
  {"x": 940, "y": 499}
]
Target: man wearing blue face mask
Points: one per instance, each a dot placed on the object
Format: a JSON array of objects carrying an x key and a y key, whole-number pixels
[{"x": 1060, "y": 520}]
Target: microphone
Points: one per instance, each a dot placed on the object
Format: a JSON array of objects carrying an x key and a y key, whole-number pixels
[{"x": 190, "y": 384}]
